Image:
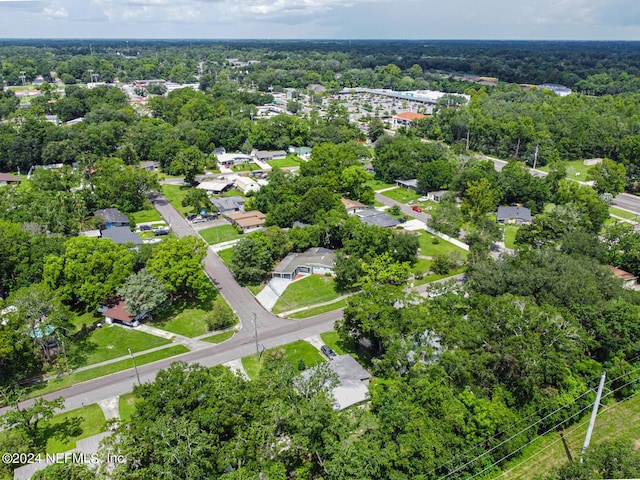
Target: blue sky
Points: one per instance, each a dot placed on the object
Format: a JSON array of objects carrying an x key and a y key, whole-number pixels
[{"x": 410, "y": 19}]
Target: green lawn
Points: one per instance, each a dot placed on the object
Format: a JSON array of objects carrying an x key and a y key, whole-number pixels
[
  {"x": 188, "y": 318},
  {"x": 245, "y": 167},
  {"x": 65, "y": 429},
  {"x": 85, "y": 319},
  {"x": 223, "y": 233},
  {"x": 617, "y": 421},
  {"x": 574, "y": 167},
  {"x": 510, "y": 236},
  {"x": 233, "y": 193},
  {"x": 256, "y": 289},
  {"x": 311, "y": 312},
  {"x": 293, "y": 351},
  {"x": 307, "y": 291},
  {"x": 126, "y": 406},
  {"x": 108, "y": 342},
  {"x": 379, "y": 184},
  {"x": 219, "y": 337},
  {"x": 429, "y": 249},
  {"x": 91, "y": 373},
  {"x": 225, "y": 255},
  {"x": 401, "y": 194},
  {"x": 618, "y": 212},
  {"x": 148, "y": 214},
  {"x": 175, "y": 194},
  {"x": 290, "y": 161}
]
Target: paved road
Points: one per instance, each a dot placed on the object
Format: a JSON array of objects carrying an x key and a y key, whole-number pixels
[
  {"x": 625, "y": 201},
  {"x": 272, "y": 330}
]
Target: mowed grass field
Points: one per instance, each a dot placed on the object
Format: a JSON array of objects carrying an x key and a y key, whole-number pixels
[
  {"x": 293, "y": 353},
  {"x": 307, "y": 291}
]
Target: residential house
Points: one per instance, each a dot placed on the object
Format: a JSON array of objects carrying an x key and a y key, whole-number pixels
[
  {"x": 267, "y": 156},
  {"x": 118, "y": 314},
  {"x": 111, "y": 217},
  {"x": 246, "y": 184},
  {"x": 226, "y": 205},
  {"x": 405, "y": 119},
  {"x": 314, "y": 261},
  {"x": 411, "y": 184},
  {"x": 302, "y": 152},
  {"x": 7, "y": 179},
  {"x": 121, "y": 235},
  {"x": 215, "y": 187},
  {"x": 230, "y": 159},
  {"x": 352, "y": 206},
  {"x": 353, "y": 381},
  {"x": 247, "y": 221},
  {"x": 436, "y": 195},
  {"x": 628, "y": 279},
  {"x": 515, "y": 214},
  {"x": 371, "y": 216},
  {"x": 150, "y": 165}
]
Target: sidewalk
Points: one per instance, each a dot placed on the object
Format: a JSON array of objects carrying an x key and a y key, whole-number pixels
[{"x": 302, "y": 309}]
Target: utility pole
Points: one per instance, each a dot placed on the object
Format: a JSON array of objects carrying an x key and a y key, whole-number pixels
[
  {"x": 135, "y": 367},
  {"x": 592, "y": 420},
  {"x": 255, "y": 331},
  {"x": 24, "y": 79}
]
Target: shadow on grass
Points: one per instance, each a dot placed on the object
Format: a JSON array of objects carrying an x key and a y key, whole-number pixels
[
  {"x": 62, "y": 431},
  {"x": 175, "y": 308}
]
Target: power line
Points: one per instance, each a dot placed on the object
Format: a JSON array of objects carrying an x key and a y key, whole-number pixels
[
  {"x": 535, "y": 423},
  {"x": 549, "y": 430},
  {"x": 569, "y": 433},
  {"x": 515, "y": 424}
]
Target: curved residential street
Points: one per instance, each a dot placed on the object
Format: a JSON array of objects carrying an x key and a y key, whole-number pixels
[{"x": 272, "y": 330}]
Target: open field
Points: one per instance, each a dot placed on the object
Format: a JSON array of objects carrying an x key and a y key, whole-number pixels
[
  {"x": 189, "y": 318},
  {"x": 319, "y": 310},
  {"x": 108, "y": 342},
  {"x": 306, "y": 291},
  {"x": 510, "y": 232},
  {"x": 223, "y": 233},
  {"x": 289, "y": 161},
  {"x": 429, "y": 248},
  {"x": 402, "y": 195},
  {"x": 126, "y": 406},
  {"x": 293, "y": 352},
  {"x": 65, "y": 429},
  {"x": 175, "y": 194},
  {"x": 225, "y": 255},
  {"x": 148, "y": 214},
  {"x": 576, "y": 170}
]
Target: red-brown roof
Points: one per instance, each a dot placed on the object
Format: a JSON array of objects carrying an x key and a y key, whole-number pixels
[
  {"x": 619, "y": 273},
  {"x": 7, "y": 177},
  {"x": 119, "y": 312},
  {"x": 410, "y": 116}
]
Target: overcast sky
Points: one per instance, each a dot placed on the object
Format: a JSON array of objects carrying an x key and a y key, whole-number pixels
[{"x": 405, "y": 19}]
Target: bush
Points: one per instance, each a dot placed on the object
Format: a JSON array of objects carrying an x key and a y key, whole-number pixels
[
  {"x": 301, "y": 365},
  {"x": 220, "y": 317},
  {"x": 435, "y": 240},
  {"x": 441, "y": 264}
]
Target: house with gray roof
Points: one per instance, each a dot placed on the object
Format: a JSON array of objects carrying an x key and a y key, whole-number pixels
[
  {"x": 122, "y": 235},
  {"x": 516, "y": 215},
  {"x": 314, "y": 261},
  {"x": 371, "y": 216},
  {"x": 228, "y": 204},
  {"x": 111, "y": 217}
]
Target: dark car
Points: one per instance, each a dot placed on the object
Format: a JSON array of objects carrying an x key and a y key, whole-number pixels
[
  {"x": 145, "y": 228},
  {"x": 328, "y": 351},
  {"x": 191, "y": 216},
  {"x": 210, "y": 216},
  {"x": 161, "y": 231}
]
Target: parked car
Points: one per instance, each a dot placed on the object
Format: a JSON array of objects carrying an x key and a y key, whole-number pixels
[
  {"x": 145, "y": 228},
  {"x": 416, "y": 208},
  {"x": 161, "y": 231},
  {"x": 191, "y": 216},
  {"x": 328, "y": 351},
  {"x": 210, "y": 216},
  {"x": 198, "y": 220}
]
